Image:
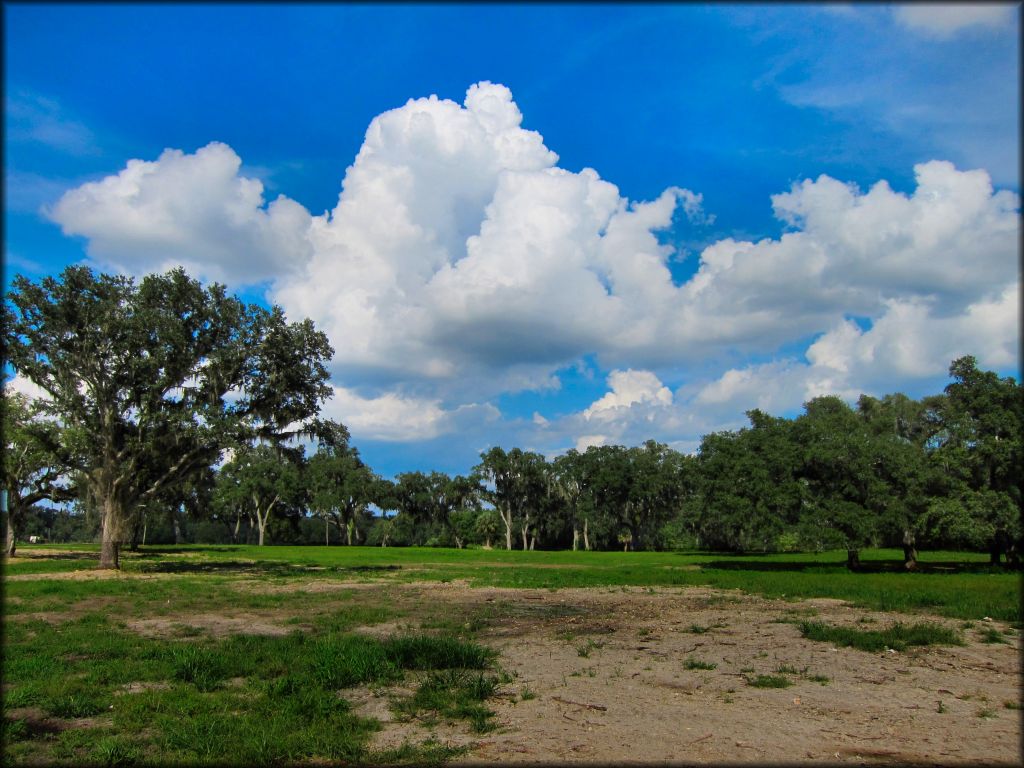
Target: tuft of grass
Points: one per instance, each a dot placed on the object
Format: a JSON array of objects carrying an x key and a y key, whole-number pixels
[
  {"x": 203, "y": 667},
  {"x": 786, "y": 669},
  {"x": 583, "y": 650},
  {"x": 992, "y": 635},
  {"x": 455, "y": 694},
  {"x": 897, "y": 637},
  {"x": 698, "y": 629},
  {"x": 769, "y": 681},
  {"x": 1012, "y": 705},
  {"x": 986, "y": 713},
  {"x": 692, "y": 663},
  {"x": 823, "y": 679}
]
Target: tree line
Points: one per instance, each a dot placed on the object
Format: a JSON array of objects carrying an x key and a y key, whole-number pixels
[{"x": 171, "y": 405}]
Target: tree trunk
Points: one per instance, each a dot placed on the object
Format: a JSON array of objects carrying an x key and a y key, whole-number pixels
[
  {"x": 113, "y": 529},
  {"x": 262, "y": 520},
  {"x": 853, "y": 559},
  {"x": 575, "y": 538},
  {"x": 909, "y": 550},
  {"x": 327, "y": 531},
  {"x": 12, "y": 543},
  {"x": 533, "y": 540},
  {"x": 238, "y": 526},
  {"x": 586, "y": 536},
  {"x": 487, "y": 544},
  {"x": 458, "y": 542},
  {"x": 178, "y": 538},
  {"x": 507, "y": 520},
  {"x": 348, "y": 530}
]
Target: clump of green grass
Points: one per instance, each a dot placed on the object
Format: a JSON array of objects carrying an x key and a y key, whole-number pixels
[
  {"x": 698, "y": 629},
  {"x": 455, "y": 694},
  {"x": 786, "y": 669},
  {"x": 769, "y": 681},
  {"x": 823, "y": 679},
  {"x": 986, "y": 713},
  {"x": 898, "y": 637},
  {"x": 692, "y": 663},
  {"x": 1012, "y": 705},
  {"x": 992, "y": 635}
]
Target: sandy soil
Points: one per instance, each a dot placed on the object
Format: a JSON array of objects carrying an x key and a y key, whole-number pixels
[{"x": 603, "y": 671}]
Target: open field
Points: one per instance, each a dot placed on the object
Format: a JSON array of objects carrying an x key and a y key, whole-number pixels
[{"x": 242, "y": 655}]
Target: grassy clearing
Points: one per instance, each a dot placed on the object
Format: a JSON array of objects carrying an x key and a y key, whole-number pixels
[
  {"x": 897, "y": 637},
  {"x": 955, "y": 584},
  {"x": 83, "y": 686},
  {"x": 235, "y": 700}
]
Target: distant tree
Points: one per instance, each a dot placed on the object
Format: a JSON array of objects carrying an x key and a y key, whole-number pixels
[
  {"x": 567, "y": 479},
  {"x": 340, "y": 487},
  {"x": 31, "y": 472},
  {"x": 979, "y": 454},
  {"x": 261, "y": 481},
  {"x": 152, "y": 380},
  {"x": 749, "y": 491},
  {"x": 519, "y": 485},
  {"x": 839, "y": 466}
]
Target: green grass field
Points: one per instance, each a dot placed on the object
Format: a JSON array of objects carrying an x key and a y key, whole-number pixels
[{"x": 86, "y": 686}]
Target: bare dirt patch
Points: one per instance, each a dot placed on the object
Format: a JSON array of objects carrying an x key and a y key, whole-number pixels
[
  {"x": 599, "y": 675},
  {"x": 212, "y": 624}
]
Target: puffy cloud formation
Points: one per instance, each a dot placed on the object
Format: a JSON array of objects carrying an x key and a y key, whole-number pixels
[
  {"x": 393, "y": 417},
  {"x": 184, "y": 209},
  {"x": 628, "y": 387},
  {"x": 461, "y": 262},
  {"x": 942, "y": 21}
]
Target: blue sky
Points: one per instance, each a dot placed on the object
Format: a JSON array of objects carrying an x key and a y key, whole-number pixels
[{"x": 612, "y": 223}]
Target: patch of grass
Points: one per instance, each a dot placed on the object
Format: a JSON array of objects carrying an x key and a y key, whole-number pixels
[
  {"x": 986, "y": 713},
  {"x": 786, "y": 669},
  {"x": 454, "y": 694},
  {"x": 898, "y": 637},
  {"x": 769, "y": 681},
  {"x": 698, "y": 629},
  {"x": 992, "y": 635},
  {"x": 692, "y": 663},
  {"x": 1012, "y": 705},
  {"x": 823, "y": 679}
]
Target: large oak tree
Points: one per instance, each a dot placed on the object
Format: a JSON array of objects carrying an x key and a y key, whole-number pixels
[{"x": 151, "y": 380}]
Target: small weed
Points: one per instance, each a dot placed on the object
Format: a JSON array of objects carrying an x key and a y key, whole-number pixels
[
  {"x": 769, "y": 681},
  {"x": 966, "y": 625},
  {"x": 526, "y": 695},
  {"x": 823, "y": 679},
  {"x": 746, "y": 670},
  {"x": 692, "y": 663},
  {"x": 942, "y": 708},
  {"x": 866, "y": 620},
  {"x": 1012, "y": 705},
  {"x": 785, "y": 669},
  {"x": 697, "y": 629},
  {"x": 986, "y": 713},
  {"x": 583, "y": 650}
]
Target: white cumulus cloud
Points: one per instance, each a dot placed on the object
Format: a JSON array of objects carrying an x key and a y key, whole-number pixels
[{"x": 194, "y": 210}]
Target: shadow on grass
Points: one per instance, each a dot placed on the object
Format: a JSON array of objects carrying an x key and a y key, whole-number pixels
[{"x": 866, "y": 566}]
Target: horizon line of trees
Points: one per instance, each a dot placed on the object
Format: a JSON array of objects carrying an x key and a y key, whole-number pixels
[{"x": 176, "y": 408}]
